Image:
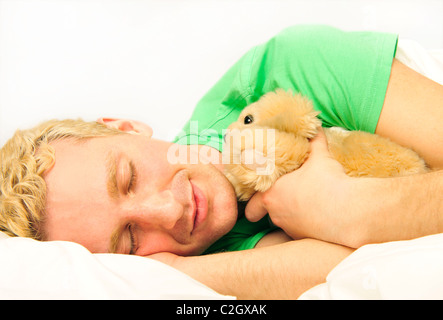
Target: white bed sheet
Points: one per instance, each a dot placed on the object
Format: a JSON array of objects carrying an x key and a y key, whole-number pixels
[{"x": 410, "y": 269}]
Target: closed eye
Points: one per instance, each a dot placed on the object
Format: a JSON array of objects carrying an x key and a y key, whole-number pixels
[{"x": 132, "y": 238}]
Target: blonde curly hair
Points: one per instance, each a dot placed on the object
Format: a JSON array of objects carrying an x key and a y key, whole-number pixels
[{"x": 24, "y": 160}]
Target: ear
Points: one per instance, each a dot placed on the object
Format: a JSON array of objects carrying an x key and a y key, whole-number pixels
[
  {"x": 301, "y": 122},
  {"x": 129, "y": 126}
]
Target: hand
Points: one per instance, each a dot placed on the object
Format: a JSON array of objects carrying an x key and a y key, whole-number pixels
[{"x": 302, "y": 202}]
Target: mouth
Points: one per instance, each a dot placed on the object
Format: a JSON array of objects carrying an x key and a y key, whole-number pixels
[{"x": 201, "y": 207}]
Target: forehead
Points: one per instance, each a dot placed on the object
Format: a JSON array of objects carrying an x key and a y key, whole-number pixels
[
  {"x": 78, "y": 160},
  {"x": 76, "y": 197}
]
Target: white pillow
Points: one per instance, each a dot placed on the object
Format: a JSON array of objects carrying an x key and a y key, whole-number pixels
[
  {"x": 32, "y": 269},
  {"x": 395, "y": 270}
]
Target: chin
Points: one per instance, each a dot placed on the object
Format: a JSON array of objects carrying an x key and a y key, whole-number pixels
[
  {"x": 225, "y": 202},
  {"x": 224, "y": 212},
  {"x": 222, "y": 205}
]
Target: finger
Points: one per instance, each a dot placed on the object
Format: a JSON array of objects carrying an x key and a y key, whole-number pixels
[
  {"x": 319, "y": 145},
  {"x": 255, "y": 210}
]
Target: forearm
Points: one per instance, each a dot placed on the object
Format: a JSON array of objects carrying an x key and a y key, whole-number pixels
[
  {"x": 380, "y": 210},
  {"x": 282, "y": 271}
]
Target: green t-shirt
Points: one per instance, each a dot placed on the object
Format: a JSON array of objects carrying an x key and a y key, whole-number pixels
[
  {"x": 345, "y": 74},
  {"x": 244, "y": 235}
]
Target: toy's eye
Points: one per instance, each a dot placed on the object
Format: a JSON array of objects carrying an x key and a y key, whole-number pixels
[{"x": 249, "y": 119}]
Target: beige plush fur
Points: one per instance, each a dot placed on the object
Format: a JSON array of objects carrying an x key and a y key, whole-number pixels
[{"x": 272, "y": 137}]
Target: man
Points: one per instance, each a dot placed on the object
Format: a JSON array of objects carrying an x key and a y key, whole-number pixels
[{"x": 119, "y": 193}]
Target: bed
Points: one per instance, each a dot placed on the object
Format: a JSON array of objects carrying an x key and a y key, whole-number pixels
[{"x": 63, "y": 270}]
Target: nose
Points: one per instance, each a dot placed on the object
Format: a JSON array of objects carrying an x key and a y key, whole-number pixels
[{"x": 160, "y": 211}]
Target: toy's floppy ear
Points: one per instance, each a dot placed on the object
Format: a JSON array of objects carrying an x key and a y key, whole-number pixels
[
  {"x": 305, "y": 125},
  {"x": 290, "y": 113}
]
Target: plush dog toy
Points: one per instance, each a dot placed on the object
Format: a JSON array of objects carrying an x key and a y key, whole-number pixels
[{"x": 272, "y": 137}]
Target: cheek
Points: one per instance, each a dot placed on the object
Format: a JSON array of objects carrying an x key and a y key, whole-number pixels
[{"x": 155, "y": 243}]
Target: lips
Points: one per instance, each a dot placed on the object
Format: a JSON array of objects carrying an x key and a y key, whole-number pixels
[{"x": 201, "y": 205}]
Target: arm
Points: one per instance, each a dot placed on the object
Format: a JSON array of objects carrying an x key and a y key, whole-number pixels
[
  {"x": 396, "y": 209},
  {"x": 282, "y": 271},
  {"x": 412, "y": 113}
]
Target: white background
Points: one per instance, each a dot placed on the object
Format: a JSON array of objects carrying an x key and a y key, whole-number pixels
[{"x": 153, "y": 60}]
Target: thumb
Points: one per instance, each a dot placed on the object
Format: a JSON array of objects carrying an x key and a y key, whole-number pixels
[
  {"x": 255, "y": 209},
  {"x": 319, "y": 145}
]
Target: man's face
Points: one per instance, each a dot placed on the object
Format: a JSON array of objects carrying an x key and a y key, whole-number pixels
[{"x": 120, "y": 194}]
